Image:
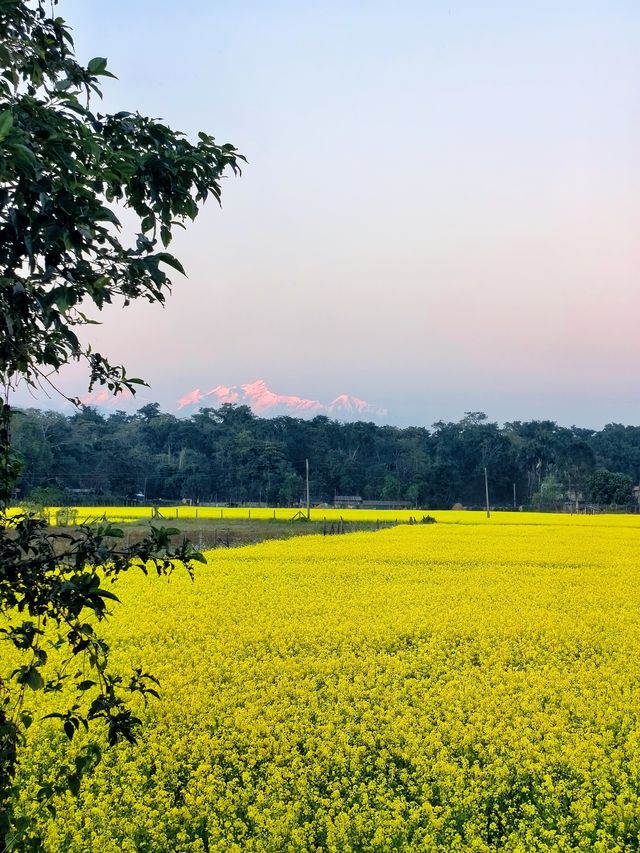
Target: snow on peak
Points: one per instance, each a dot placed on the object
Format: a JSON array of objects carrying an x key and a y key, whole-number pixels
[
  {"x": 263, "y": 401},
  {"x": 352, "y": 404}
]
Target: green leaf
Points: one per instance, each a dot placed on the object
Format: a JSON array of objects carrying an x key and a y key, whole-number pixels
[
  {"x": 97, "y": 65},
  {"x": 147, "y": 223},
  {"x": 198, "y": 557},
  {"x": 86, "y": 685},
  {"x": 105, "y": 214},
  {"x": 6, "y": 123},
  {"x": 104, "y": 593},
  {"x": 23, "y": 156},
  {"x": 73, "y": 783},
  {"x": 44, "y": 793},
  {"x": 22, "y": 823},
  {"x": 170, "y": 261},
  {"x": 33, "y": 679}
]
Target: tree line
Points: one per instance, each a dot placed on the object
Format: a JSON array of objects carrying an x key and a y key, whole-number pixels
[{"x": 230, "y": 455}]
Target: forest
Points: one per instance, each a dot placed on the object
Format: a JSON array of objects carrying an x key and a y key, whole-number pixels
[{"x": 229, "y": 455}]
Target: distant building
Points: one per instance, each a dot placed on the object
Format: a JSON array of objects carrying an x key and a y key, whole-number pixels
[
  {"x": 347, "y": 501},
  {"x": 356, "y": 502},
  {"x": 386, "y": 505},
  {"x": 575, "y": 499},
  {"x": 577, "y": 502}
]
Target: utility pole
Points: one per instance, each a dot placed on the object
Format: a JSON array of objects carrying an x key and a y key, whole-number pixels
[
  {"x": 486, "y": 492},
  {"x": 515, "y": 504},
  {"x": 306, "y": 462}
]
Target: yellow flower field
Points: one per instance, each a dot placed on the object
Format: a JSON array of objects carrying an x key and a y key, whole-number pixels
[
  {"x": 125, "y": 514},
  {"x": 452, "y": 687}
]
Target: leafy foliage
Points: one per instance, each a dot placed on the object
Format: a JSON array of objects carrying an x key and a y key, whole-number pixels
[
  {"x": 62, "y": 168},
  {"x": 608, "y": 487},
  {"x": 65, "y": 171}
]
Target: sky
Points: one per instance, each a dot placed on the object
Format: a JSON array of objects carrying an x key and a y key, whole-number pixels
[{"x": 440, "y": 212}]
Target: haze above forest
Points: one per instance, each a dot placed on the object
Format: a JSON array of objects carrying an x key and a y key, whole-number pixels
[{"x": 439, "y": 212}]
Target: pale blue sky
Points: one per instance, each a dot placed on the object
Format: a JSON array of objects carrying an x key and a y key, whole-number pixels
[{"x": 441, "y": 211}]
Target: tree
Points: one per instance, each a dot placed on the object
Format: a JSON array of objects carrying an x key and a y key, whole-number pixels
[
  {"x": 65, "y": 170},
  {"x": 610, "y": 487},
  {"x": 550, "y": 492}
]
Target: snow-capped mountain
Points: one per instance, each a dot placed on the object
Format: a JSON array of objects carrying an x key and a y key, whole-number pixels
[{"x": 263, "y": 401}]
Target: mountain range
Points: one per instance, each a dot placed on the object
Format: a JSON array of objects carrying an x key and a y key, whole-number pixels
[{"x": 263, "y": 401}]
